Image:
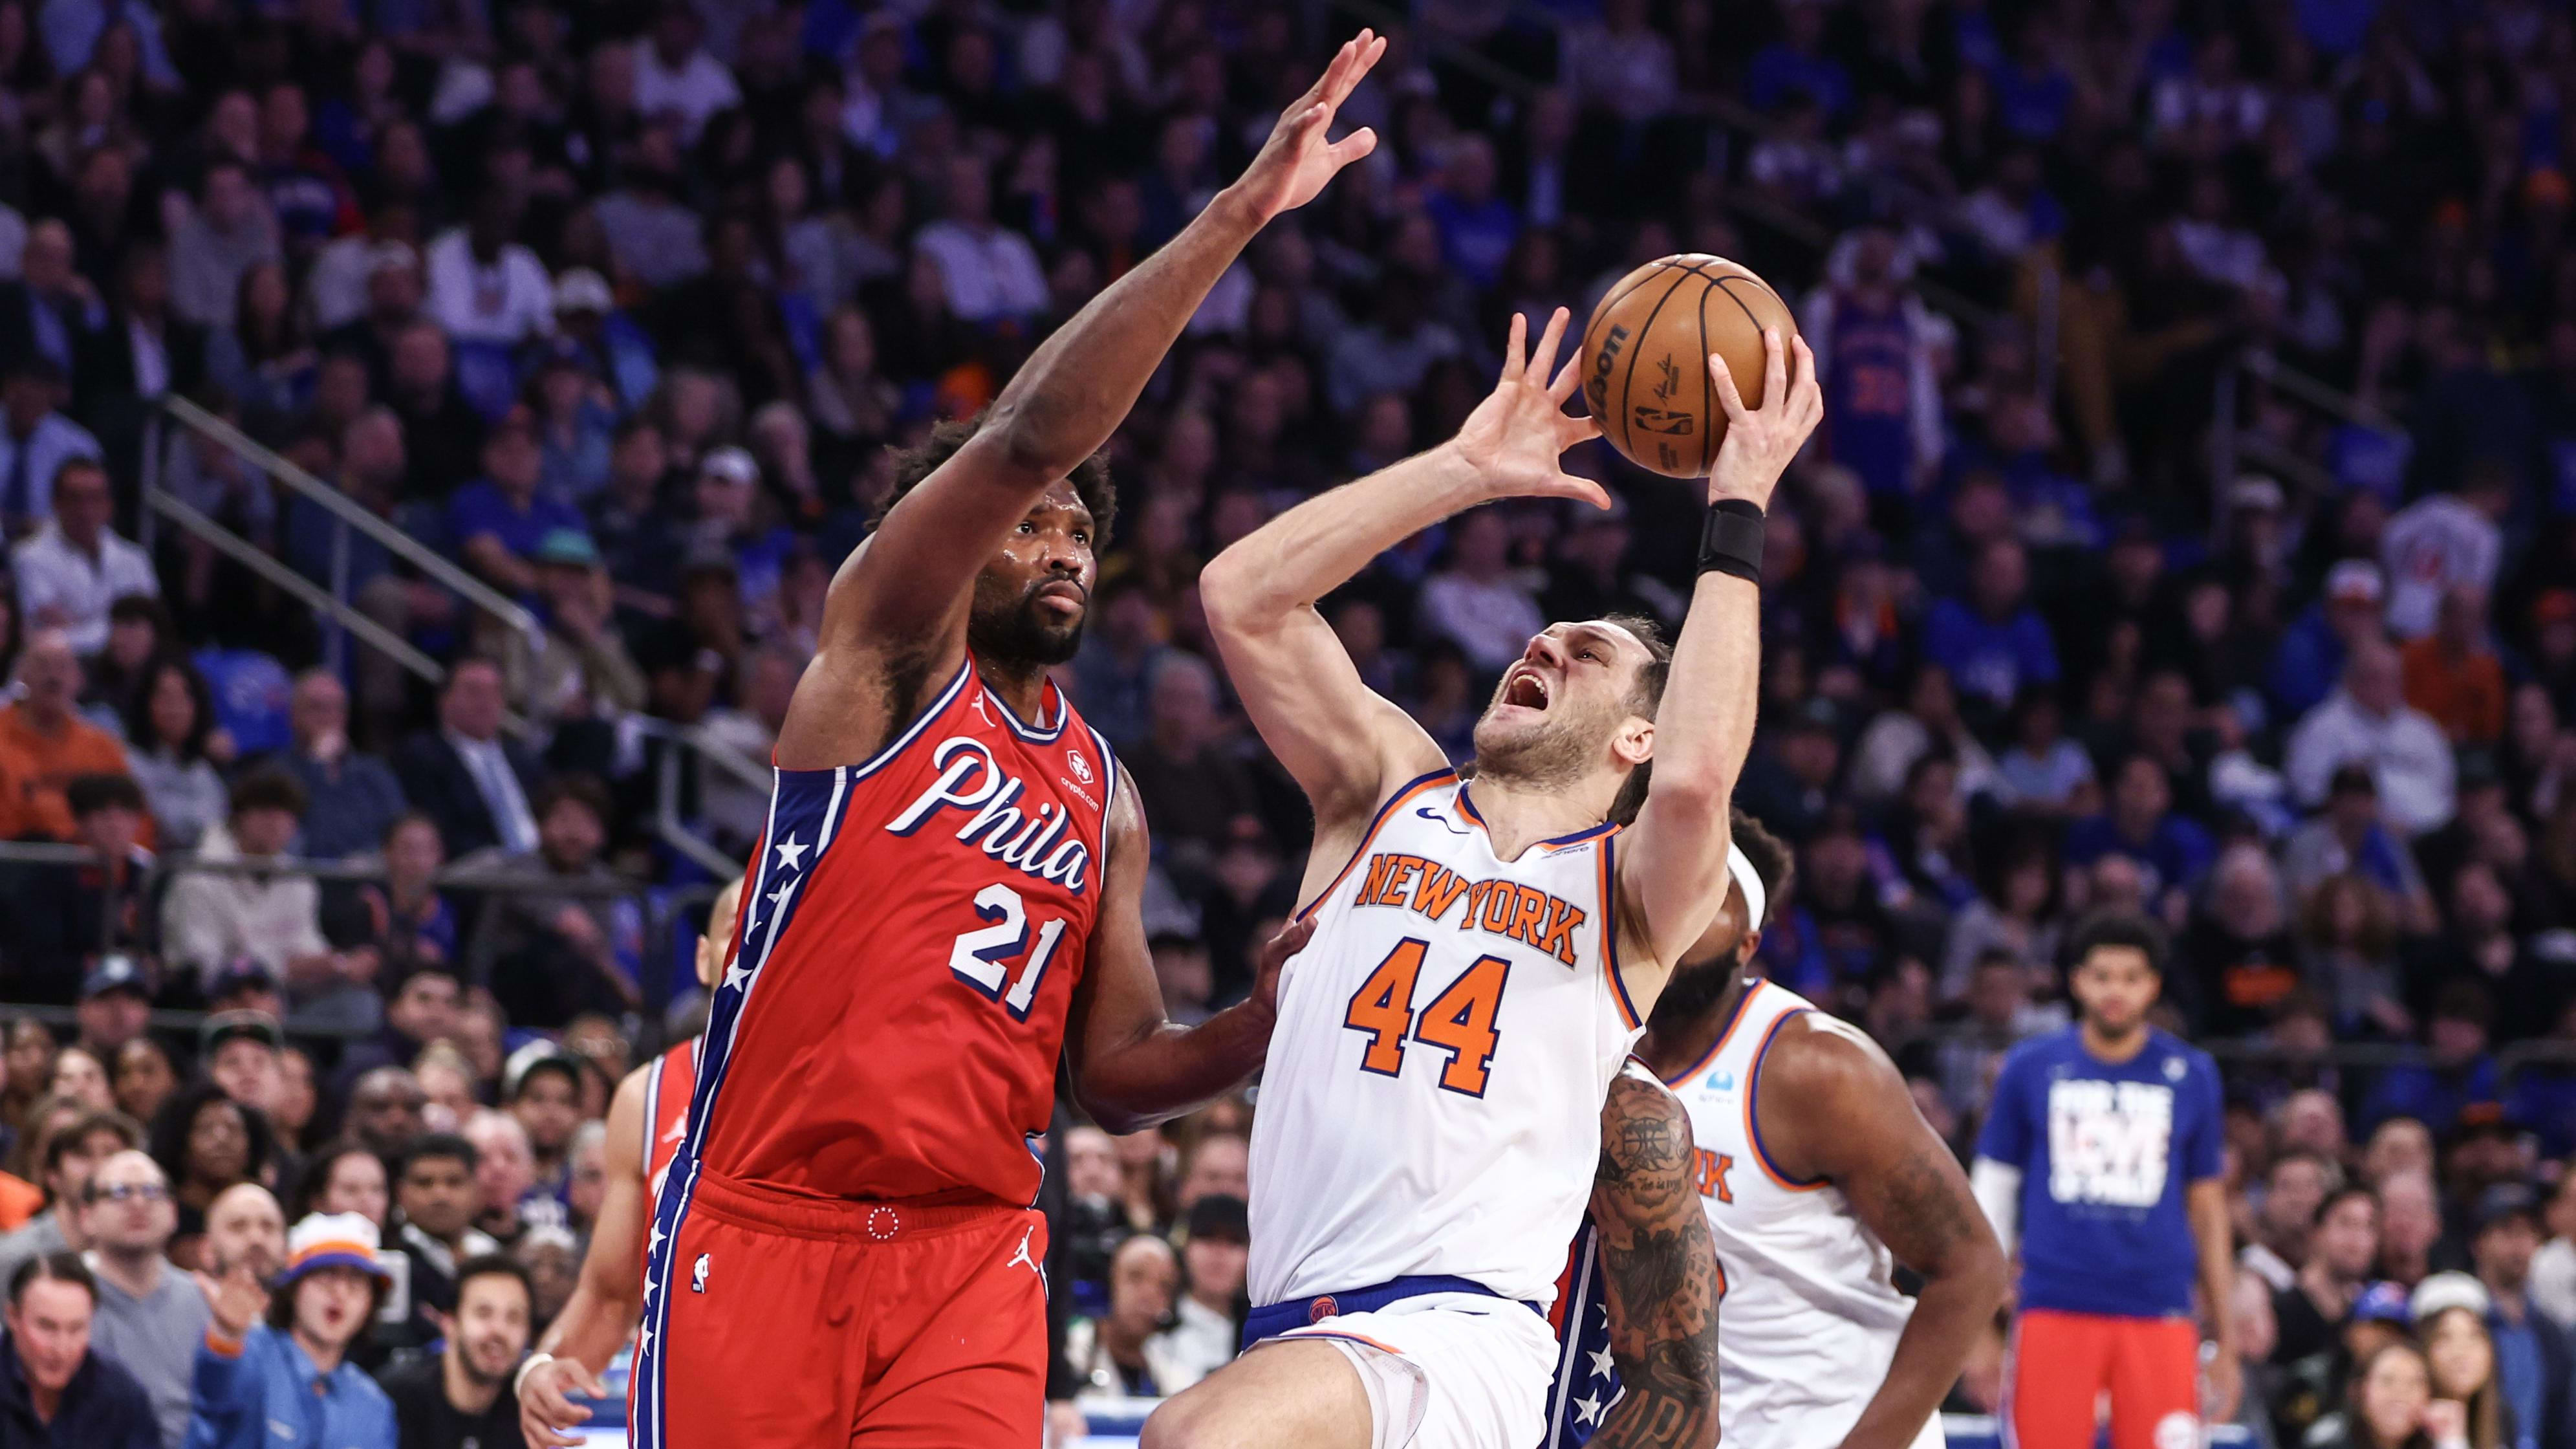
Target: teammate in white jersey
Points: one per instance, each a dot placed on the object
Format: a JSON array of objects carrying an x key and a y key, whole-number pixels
[
  {"x": 1812, "y": 1164},
  {"x": 1484, "y": 953}
]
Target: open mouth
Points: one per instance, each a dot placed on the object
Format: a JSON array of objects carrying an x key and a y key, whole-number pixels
[{"x": 1525, "y": 688}]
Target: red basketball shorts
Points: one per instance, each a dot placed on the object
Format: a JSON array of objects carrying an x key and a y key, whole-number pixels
[
  {"x": 2062, "y": 1363},
  {"x": 796, "y": 1322}
]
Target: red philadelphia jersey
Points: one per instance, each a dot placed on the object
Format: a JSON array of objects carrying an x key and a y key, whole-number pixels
[
  {"x": 671, "y": 1081},
  {"x": 911, "y": 933}
]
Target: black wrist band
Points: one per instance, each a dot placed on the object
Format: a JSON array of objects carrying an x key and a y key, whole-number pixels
[{"x": 1731, "y": 541}]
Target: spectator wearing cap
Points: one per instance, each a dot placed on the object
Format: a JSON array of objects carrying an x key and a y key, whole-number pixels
[
  {"x": 2452, "y": 673},
  {"x": 1207, "y": 1323},
  {"x": 151, "y": 1318},
  {"x": 71, "y": 569},
  {"x": 36, "y": 441},
  {"x": 292, "y": 1371},
  {"x": 466, "y": 775},
  {"x": 543, "y": 1088},
  {"x": 268, "y": 913},
  {"x": 581, "y": 672},
  {"x": 392, "y": 303},
  {"x": 2367, "y": 720},
  {"x": 241, "y": 1052},
  {"x": 68, "y": 923},
  {"x": 495, "y": 523},
  {"x": 350, "y": 797},
  {"x": 54, "y": 1390},
  {"x": 2535, "y": 1363},
  {"x": 610, "y": 344},
  {"x": 2312, "y": 649},
  {"x": 71, "y": 1154},
  {"x": 2347, "y": 837},
  {"x": 551, "y": 954},
  {"x": 115, "y": 1005},
  {"x": 45, "y": 744},
  {"x": 2444, "y": 541}
]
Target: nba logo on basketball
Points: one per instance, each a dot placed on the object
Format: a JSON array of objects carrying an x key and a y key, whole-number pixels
[{"x": 1081, "y": 767}]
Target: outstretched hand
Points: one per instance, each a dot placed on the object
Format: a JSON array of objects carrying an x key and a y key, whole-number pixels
[
  {"x": 1760, "y": 441},
  {"x": 1515, "y": 436},
  {"x": 1273, "y": 959},
  {"x": 1296, "y": 161},
  {"x": 236, "y": 1301}
]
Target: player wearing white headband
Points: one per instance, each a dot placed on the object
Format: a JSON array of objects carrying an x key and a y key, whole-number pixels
[{"x": 1792, "y": 1135}]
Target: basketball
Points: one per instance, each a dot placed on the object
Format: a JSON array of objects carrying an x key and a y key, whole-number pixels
[{"x": 1645, "y": 357}]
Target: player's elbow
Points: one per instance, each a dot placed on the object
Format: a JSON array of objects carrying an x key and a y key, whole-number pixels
[
  {"x": 1228, "y": 592},
  {"x": 1029, "y": 437},
  {"x": 1977, "y": 1265}
]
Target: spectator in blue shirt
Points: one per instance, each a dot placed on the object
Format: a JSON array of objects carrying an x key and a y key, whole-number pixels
[
  {"x": 2535, "y": 1366},
  {"x": 1796, "y": 64},
  {"x": 2170, "y": 851},
  {"x": 2460, "y": 1074},
  {"x": 1477, "y": 227},
  {"x": 496, "y": 522},
  {"x": 287, "y": 1383},
  {"x": 53, "y": 1389},
  {"x": 2310, "y": 659},
  {"x": 1993, "y": 643}
]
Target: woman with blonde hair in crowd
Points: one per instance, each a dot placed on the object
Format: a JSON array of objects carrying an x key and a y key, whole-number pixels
[{"x": 2451, "y": 1324}]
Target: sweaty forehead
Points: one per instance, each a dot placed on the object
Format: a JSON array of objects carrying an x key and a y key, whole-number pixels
[{"x": 1060, "y": 497}]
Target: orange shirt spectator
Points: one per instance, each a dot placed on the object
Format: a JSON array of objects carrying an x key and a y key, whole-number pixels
[
  {"x": 2453, "y": 677},
  {"x": 43, "y": 744},
  {"x": 19, "y": 1201}
]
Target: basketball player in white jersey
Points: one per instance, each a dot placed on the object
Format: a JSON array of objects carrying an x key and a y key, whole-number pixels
[
  {"x": 1430, "y": 1114},
  {"x": 1817, "y": 1174},
  {"x": 600, "y": 1315}
]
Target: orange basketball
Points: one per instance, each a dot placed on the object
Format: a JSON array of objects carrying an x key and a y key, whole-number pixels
[{"x": 1645, "y": 357}]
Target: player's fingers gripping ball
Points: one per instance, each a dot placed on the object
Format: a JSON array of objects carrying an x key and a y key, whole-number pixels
[{"x": 1645, "y": 357}]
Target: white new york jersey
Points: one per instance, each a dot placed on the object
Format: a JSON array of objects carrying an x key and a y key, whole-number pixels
[
  {"x": 1810, "y": 1317},
  {"x": 1432, "y": 1103}
]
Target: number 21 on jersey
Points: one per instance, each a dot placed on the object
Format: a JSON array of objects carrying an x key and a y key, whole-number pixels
[
  {"x": 978, "y": 955},
  {"x": 1460, "y": 1021}
]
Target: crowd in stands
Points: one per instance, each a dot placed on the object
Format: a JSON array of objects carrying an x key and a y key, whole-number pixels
[{"x": 2208, "y": 550}]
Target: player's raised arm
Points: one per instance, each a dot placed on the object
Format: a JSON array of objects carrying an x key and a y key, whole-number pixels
[
  {"x": 1836, "y": 1108},
  {"x": 894, "y": 622},
  {"x": 1661, "y": 1269},
  {"x": 1345, "y": 745},
  {"x": 1672, "y": 863},
  {"x": 607, "y": 1299}
]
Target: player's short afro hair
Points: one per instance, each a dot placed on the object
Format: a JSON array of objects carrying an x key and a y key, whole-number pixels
[{"x": 1090, "y": 477}]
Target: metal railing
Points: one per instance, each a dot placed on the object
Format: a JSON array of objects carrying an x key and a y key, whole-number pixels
[
  {"x": 661, "y": 908},
  {"x": 343, "y": 620}
]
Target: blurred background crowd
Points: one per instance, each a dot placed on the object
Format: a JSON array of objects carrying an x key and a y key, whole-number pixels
[{"x": 428, "y": 428}]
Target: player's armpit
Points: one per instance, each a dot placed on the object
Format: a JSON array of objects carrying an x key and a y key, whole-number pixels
[{"x": 1661, "y": 1269}]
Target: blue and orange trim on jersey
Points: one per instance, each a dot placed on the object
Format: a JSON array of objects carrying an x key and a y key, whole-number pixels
[
  {"x": 1407, "y": 791},
  {"x": 1734, "y": 1018},
  {"x": 1753, "y": 1104}
]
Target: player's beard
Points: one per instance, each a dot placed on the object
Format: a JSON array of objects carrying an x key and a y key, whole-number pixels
[
  {"x": 1550, "y": 753},
  {"x": 1007, "y": 627},
  {"x": 1694, "y": 991}
]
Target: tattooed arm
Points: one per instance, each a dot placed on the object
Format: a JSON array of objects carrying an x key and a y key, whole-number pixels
[
  {"x": 1836, "y": 1108},
  {"x": 1662, "y": 1272}
]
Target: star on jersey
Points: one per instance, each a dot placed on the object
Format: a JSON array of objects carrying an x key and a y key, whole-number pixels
[
  {"x": 1587, "y": 1410},
  {"x": 735, "y": 975},
  {"x": 1602, "y": 1367},
  {"x": 658, "y": 1236},
  {"x": 790, "y": 852}
]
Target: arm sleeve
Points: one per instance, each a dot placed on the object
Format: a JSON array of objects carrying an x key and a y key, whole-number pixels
[{"x": 1997, "y": 1187}]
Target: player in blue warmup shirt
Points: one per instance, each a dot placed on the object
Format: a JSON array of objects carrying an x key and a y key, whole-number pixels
[{"x": 2103, "y": 1148}]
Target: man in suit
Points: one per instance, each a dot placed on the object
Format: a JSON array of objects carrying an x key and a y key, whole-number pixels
[
  {"x": 465, "y": 775},
  {"x": 51, "y": 307},
  {"x": 142, "y": 352}
]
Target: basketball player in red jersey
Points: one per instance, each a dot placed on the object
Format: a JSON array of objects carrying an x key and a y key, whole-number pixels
[
  {"x": 946, "y": 898},
  {"x": 645, "y": 1125}
]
